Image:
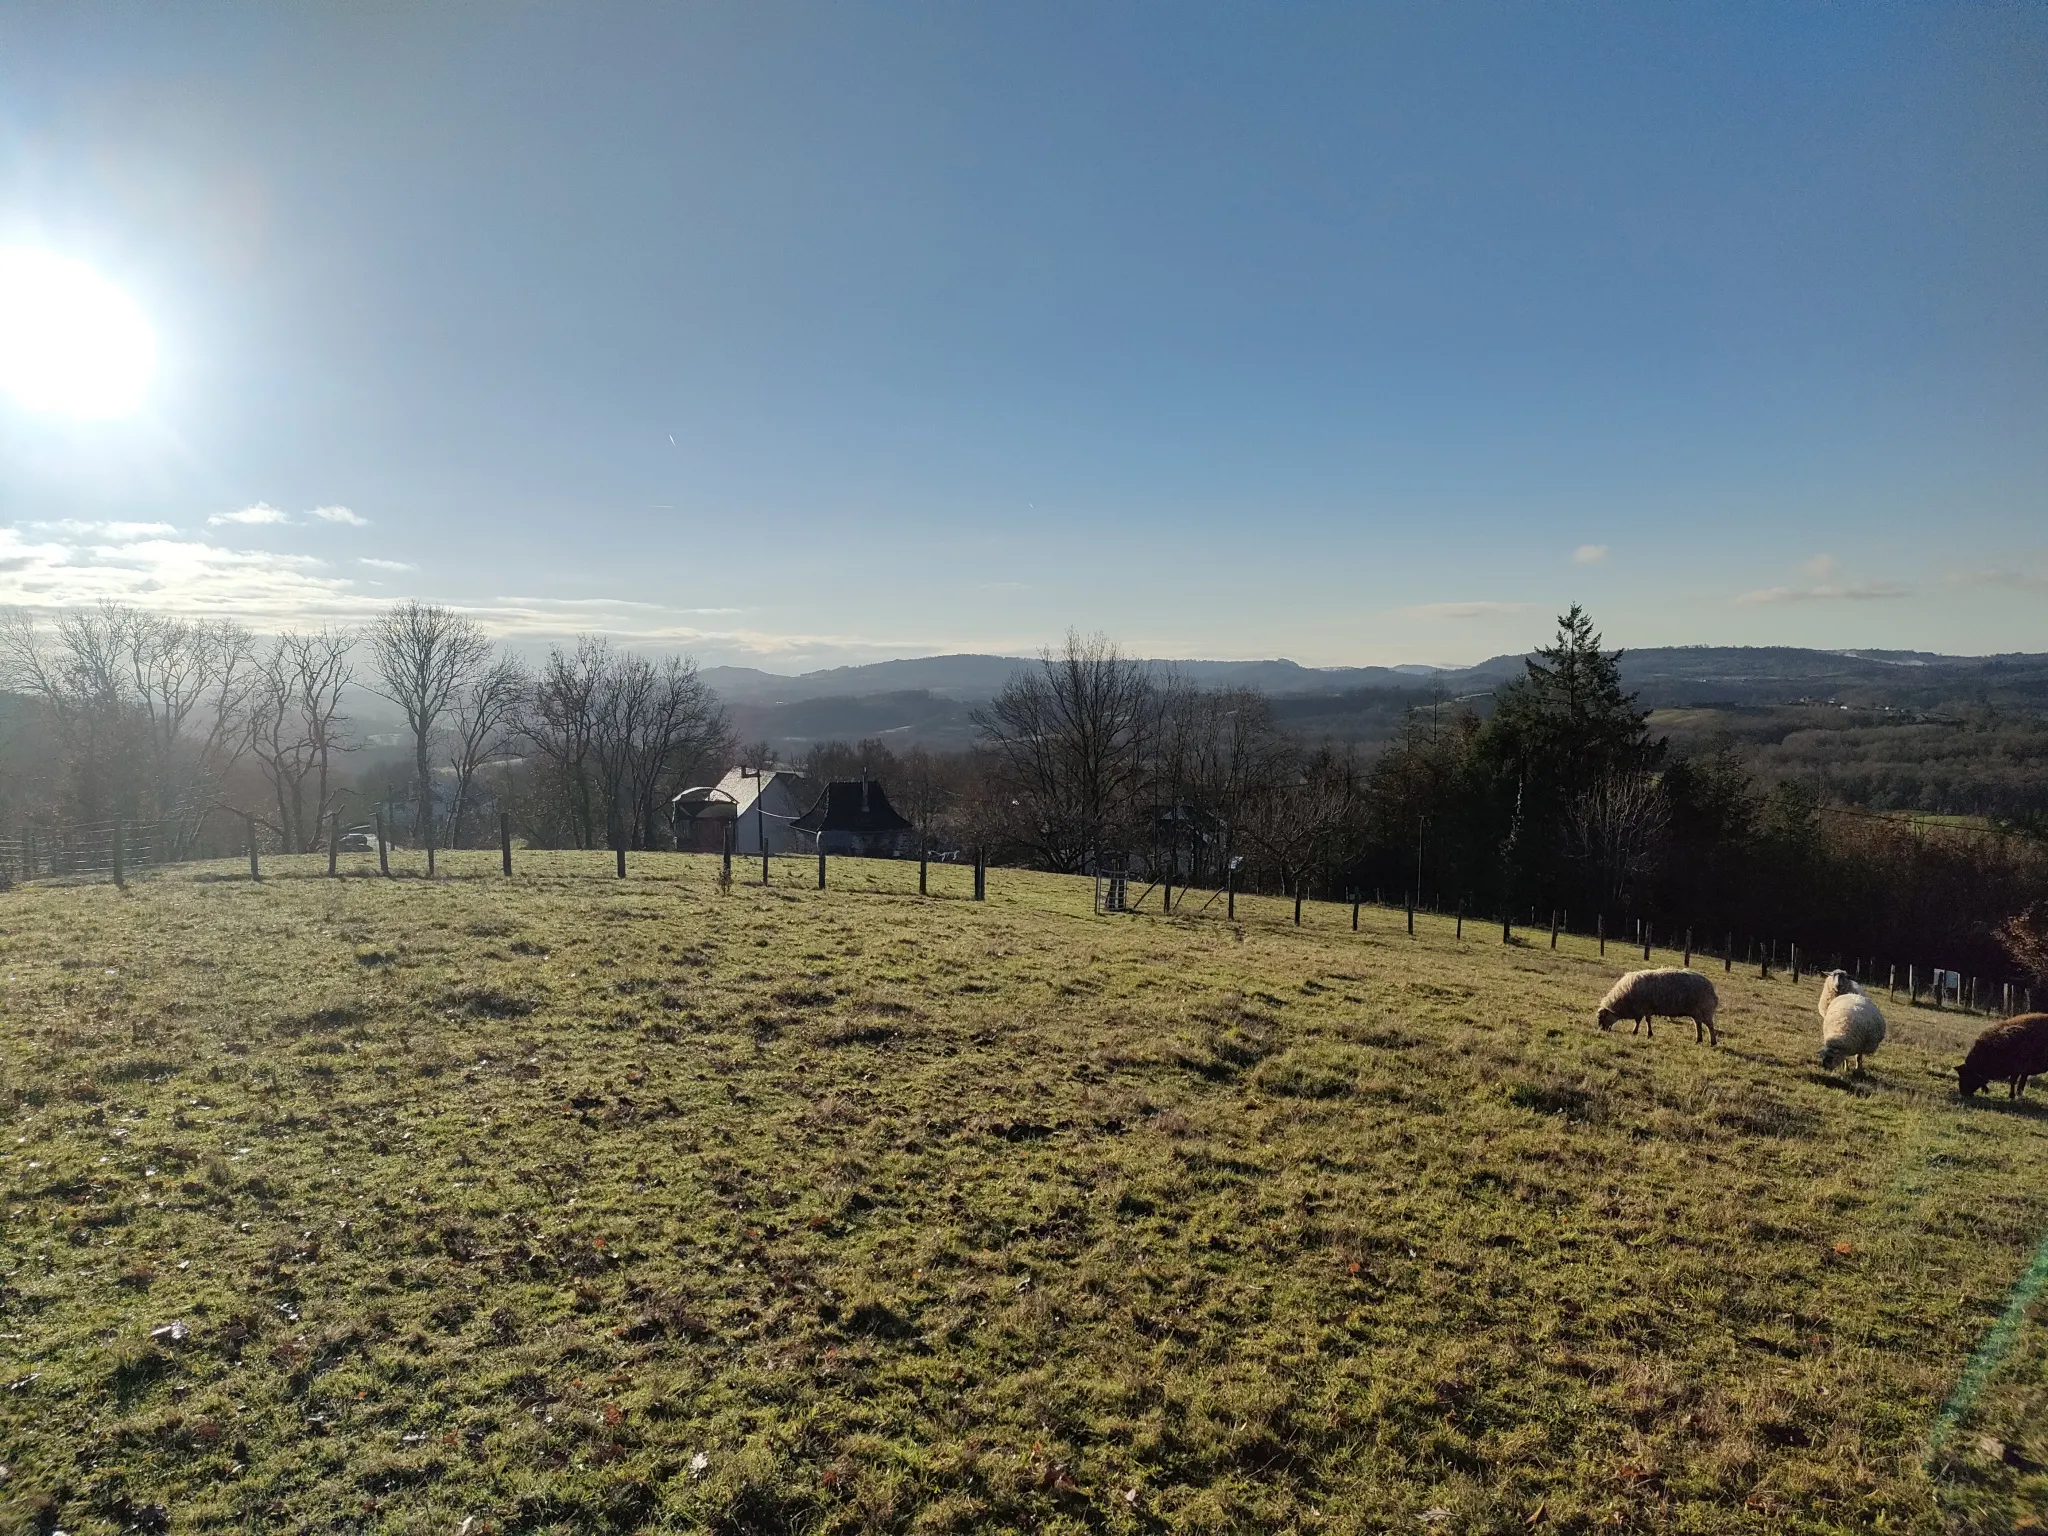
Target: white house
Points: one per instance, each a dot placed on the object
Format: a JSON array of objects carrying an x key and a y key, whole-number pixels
[{"x": 761, "y": 805}]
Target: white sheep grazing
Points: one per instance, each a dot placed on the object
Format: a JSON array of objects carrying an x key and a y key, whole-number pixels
[
  {"x": 1851, "y": 1026},
  {"x": 1646, "y": 996},
  {"x": 1837, "y": 984}
]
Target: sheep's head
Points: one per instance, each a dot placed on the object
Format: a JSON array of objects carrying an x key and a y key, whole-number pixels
[
  {"x": 1604, "y": 1018},
  {"x": 1830, "y": 1058},
  {"x": 1971, "y": 1079}
]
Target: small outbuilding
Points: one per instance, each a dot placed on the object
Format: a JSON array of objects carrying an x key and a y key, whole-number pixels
[{"x": 854, "y": 817}]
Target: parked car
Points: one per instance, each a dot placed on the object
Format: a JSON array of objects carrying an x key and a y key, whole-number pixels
[{"x": 358, "y": 842}]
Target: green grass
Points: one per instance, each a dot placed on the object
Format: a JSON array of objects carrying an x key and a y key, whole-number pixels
[{"x": 576, "y": 1204}]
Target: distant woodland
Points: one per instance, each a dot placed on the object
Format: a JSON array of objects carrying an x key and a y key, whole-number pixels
[{"x": 1874, "y": 808}]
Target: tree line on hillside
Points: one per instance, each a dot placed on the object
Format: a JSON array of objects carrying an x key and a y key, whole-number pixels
[
  {"x": 1559, "y": 799},
  {"x": 164, "y": 721}
]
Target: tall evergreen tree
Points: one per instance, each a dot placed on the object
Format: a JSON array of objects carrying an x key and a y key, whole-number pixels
[{"x": 1555, "y": 735}]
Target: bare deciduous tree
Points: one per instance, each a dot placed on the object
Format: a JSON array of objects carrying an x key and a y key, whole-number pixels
[
  {"x": 151, "y": 710},
  {"x": 1616, "y": 828},
  {"x": 488, "y": 710},
  {"x": 562, "y": 725},
  {"x": 1067, "y": 736},
  {"x": 295, "y": 726},
  {"x": 426, "y": 655}
]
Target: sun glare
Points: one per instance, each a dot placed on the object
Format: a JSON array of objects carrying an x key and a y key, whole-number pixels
[{"x": 71, "y": 343}]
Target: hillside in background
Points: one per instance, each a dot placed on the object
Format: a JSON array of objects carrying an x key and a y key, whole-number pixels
[{"x": 1890, "y": 730}]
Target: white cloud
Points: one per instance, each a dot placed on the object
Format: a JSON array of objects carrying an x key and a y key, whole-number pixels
[
  {"x": 1461, "y": 610},
  {"x": 339, "y": 515},
  {"x": 1821, "y": 567},
  {"x": 262, "y": 512},
  {"x": 2024, "y": 581},
  {"x": 121, "y": 532},
  {"x": 174, "y": 576},
  {"x": 1589, "y": 554},
  {"x": 386, "y": 565},
  {"x": 1825, "y": 592}
]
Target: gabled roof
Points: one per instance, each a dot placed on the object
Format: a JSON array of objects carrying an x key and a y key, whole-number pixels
[
  {"x": 735, "y": 794},
  {"x": 852, "y": 805}
]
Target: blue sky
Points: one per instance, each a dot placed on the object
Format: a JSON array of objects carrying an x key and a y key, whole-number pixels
[{"x": 799, "y": 335}]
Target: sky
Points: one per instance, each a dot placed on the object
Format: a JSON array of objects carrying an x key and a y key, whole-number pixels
[{"x": 799, "y": 335}]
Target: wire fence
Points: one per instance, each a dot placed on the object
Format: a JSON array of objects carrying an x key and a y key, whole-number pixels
[{"x": 113, "y": 850}]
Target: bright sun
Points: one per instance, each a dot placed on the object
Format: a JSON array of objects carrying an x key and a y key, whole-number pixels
[{"x": 71, "y": 343}]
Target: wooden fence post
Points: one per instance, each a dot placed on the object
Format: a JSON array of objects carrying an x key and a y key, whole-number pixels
[
  {"x": 924, "y": 860},
  {"x": 383, "y": 847},
  {"x": 1553, "y": 927},
  {"x": 1728, "y": 953},
  {"x": 1230, "y": 893},
  {"x": 1461, "y": 918},
  {"x": 120, "y": 868},
  {"x": 620, "y": 852},
  {"x": 1600, "y": 927},
  {"x": 249, "y": 826},
  {"x": 1646, "y": 941},
  {"x": 1688, "y": 949},
  {"x": 1297, "y": 903},
  {"x": 430, "y": 850},
  {"x": 1354, "y": 911},
  {"x": 334, "y": 844},
  {"x": 980, "y": 875},
  {"x": 1795, "y": 962},
  {"x": 1892, "y": 988},
  {"x": 1507, "y": 929},
  {"x": 821, "y": 864},
  {"x": 505, "y": 842},
  {"x": 1411, "y": 914}
]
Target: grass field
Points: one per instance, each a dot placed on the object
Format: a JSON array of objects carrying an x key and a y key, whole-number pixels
[{"x": 566, "y": 1203}]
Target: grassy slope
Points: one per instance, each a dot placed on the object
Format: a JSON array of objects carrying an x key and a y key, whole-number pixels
[{"x": 852, "y": 1211}]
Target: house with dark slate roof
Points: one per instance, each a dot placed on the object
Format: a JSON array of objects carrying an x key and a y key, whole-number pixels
[{"x": 854, "y": 817}]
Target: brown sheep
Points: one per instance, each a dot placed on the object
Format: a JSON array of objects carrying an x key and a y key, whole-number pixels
[{"x": 2008, "y": 1053}]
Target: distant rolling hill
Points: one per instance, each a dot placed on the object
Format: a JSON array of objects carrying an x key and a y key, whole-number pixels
[{"x": 928, "y": 700}]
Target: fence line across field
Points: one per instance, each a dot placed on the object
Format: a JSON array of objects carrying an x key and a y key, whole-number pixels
[{"x": 113, "y": 849}]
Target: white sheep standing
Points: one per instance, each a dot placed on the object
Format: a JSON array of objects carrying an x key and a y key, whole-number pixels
[
  {"x": 1850, "y": 1023},
  {"x": 1834, "y": 985},
  {"x": 1670, "y": 993}
]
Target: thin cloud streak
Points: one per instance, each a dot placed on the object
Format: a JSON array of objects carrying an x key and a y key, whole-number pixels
[
  {"x": 1479, "y": 610},
  {"x": 1825, "y": 592},
  {"x": 339, "y": 515},
  {"x": 262, "y": 512},
  {"x": 1589, "y": 554}
]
